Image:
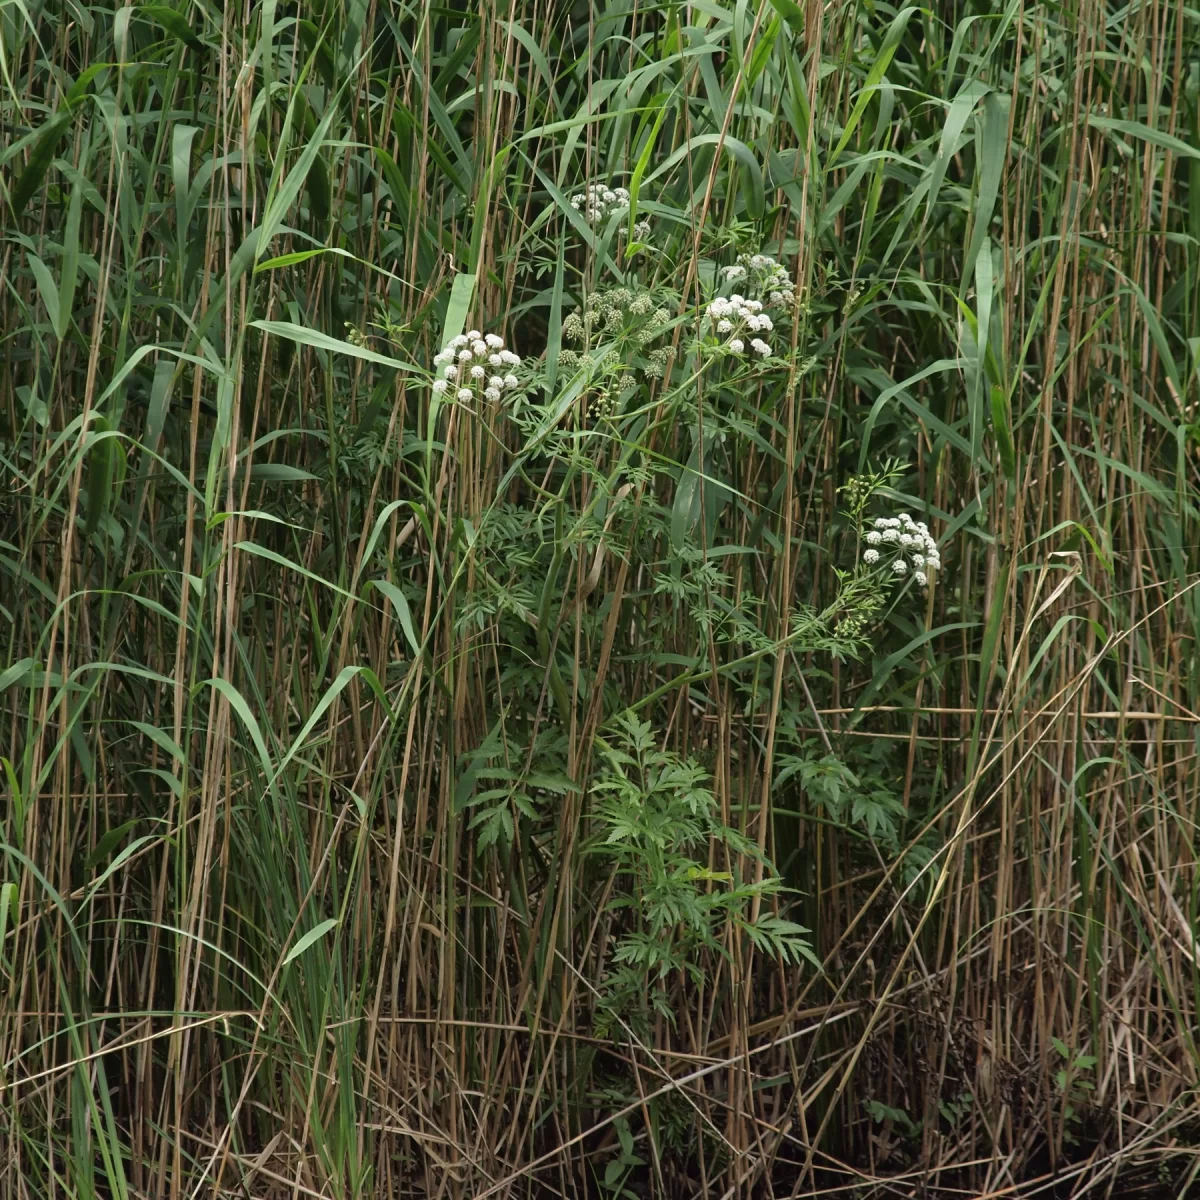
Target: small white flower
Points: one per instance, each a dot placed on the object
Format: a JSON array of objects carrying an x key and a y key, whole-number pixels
[
  {"x": 477, "y": 372},
  {"x": 464, "y": 393},
  {"x": 870, "y": 556},
  {"x": 473, "y": 335},
  {"x": 510, "y": 382},
  {"x": 495, "y": 383},
  {"x": 492, "y": 394},
  {"x": 494, "y": 342},
  {"x": 736, "y": 345},
  {"x": 874, "y": 538},
  {"x": 450, "y": 372},
  {"x": 890, "y": 536},
  {"x": 737, "y": 300},
  {"x": 918, "y": 560},
  {"x": 921, "y": 579},
  {"x": 440, "y": 387},
  {"x": 479, "y": 348},
  {"x": 442, "y": 357},
  {"x": 724, "y": 326},
  {"x": 906, "y": 541},
  {"x": 510, "y": 358},
  {"x": 458, "y": 341},
  {"x": 899, "y": 566},
  {"x": 495, "y": 360},
  {"x": 465, "y": 356},
  {"x": 765, "y": 323},
  {"x": 880, "y": 522},
  {"x": 761, "y": 347}
]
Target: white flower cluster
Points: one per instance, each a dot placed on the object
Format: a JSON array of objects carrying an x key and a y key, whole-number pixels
[
  {"x": 599, "y": 200},
  {"x": 909, "y": 541},
  {"x": 474, "y": 361},
  {"x": 736, "y": 316},
  {"x": 641, "y": 231},
  {"x": 766, "y": 276}
]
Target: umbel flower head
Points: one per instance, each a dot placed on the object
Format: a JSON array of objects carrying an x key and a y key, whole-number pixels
[
  {"x": 902, "y": 544},
  {"x": 476, "y": 363},
  {"x": 599, "y": 200},
  {"x": 740, "y": 319},
  {"x": 735, "y": 318},
  {"x": 641, "y": 231},
  {"x": 613, "y": 311},
  {"x": 611, "y": 322},
  {"x": 764, "y": 278}
]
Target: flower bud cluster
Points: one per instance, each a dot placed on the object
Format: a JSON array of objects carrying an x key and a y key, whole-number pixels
[
  {"x": 622, "y": 317},
  {"x": 613, "y": 309},
  {"x": 474, "y": 362},
  {"x": 906, "y": 544}
]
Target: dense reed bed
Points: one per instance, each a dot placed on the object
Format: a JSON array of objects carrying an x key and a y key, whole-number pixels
[{"x": 464, "y": 730}]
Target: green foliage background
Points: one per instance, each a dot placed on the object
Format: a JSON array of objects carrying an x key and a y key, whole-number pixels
[{"x": 412, "y": 797}]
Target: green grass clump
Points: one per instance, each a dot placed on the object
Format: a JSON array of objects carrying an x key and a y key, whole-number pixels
[{"x": 598, "y": 600}]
